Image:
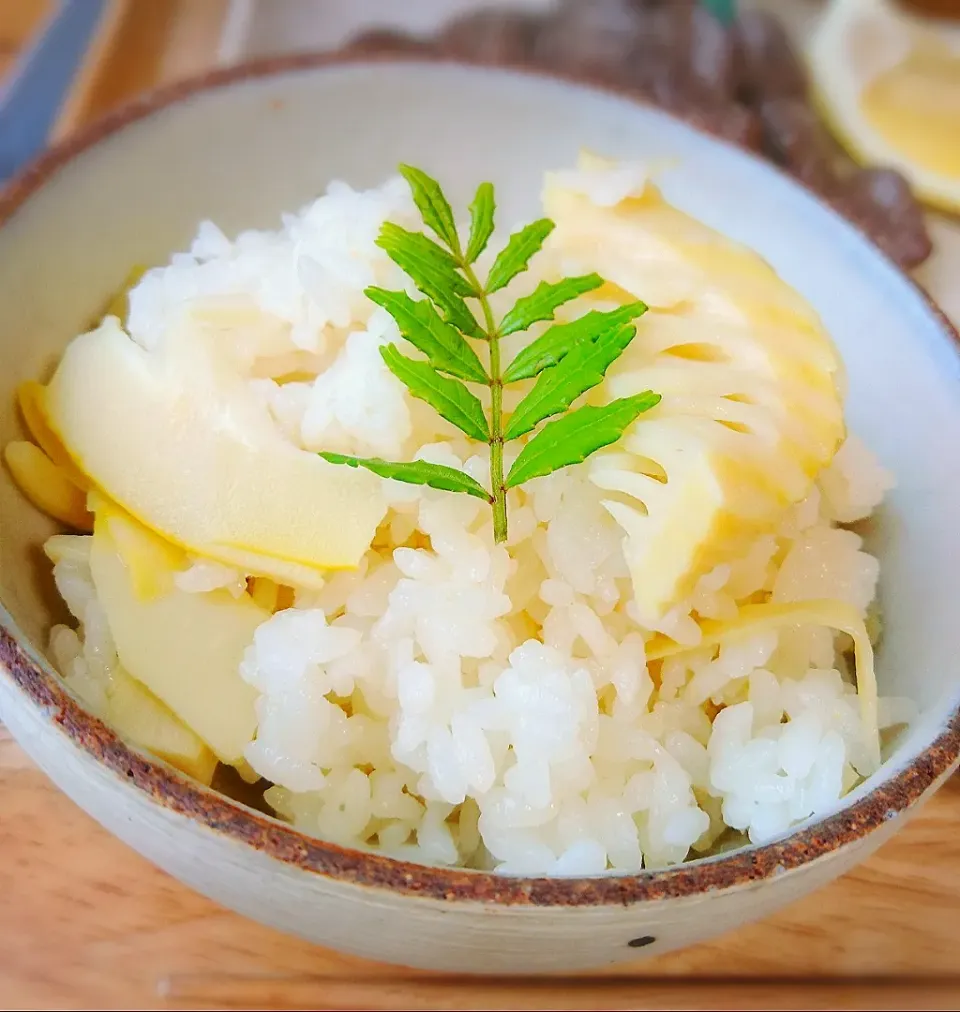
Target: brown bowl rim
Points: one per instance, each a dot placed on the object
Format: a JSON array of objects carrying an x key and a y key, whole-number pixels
[{"x": 168, "y": 788}]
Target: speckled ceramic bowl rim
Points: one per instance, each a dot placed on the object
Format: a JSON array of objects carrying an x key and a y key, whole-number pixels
[{"x": 166, "y": 787}]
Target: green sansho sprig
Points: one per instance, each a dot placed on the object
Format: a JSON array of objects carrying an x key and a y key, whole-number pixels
[{"x": 566, "y": 361}]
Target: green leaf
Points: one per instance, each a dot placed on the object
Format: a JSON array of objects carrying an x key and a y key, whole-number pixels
[
  {"x": 571, "y": 439},
  {"x": 542, "y": 303},
  {"x": 515, "y": 256},
  {"x": 550, "y": 348},
  {"x": 433, "y": 271},
  {"x": 433, "y": 205},
  {"x": 415, "y": 250},
  {"x": 448, "y": 397},
  {"x": 417, "y": 472},
  {"x": 444, "y": 345},
  {"x": 556, "y": 389},
  {"x": 481, "y": 221}
]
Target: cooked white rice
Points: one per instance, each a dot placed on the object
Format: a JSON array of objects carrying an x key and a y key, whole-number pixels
[{"x": 462, "y": 703}]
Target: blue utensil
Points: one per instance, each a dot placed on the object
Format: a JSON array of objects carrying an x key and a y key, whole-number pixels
[{"x": 32, "y": 96}]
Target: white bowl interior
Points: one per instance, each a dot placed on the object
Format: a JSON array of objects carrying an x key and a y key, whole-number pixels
[{"x": 242, "y": 154}]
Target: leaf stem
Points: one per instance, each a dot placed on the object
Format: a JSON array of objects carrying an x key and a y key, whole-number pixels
[
  {"x": 496, "y": 443},
  {"x": 497, "y": 486}
]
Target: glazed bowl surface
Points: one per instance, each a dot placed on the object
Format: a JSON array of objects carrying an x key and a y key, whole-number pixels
[{"x": 241, "y": 147}]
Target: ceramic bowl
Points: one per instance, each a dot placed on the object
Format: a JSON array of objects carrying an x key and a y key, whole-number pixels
[{"x": 240, "y": 147}]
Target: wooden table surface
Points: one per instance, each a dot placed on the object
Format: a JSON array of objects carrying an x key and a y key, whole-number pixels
[{"x": 86, "y": 923}]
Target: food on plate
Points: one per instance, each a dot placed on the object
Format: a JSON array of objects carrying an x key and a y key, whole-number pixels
[{"x": 528, "y": 553}]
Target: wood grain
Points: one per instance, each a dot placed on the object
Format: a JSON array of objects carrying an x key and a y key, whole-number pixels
[
  {"x": 85, "y": 922},
  {"x": 140, "y": 46},
  {"x": 19, "y": 22}
]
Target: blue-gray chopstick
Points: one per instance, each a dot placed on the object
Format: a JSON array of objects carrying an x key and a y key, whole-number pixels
[{"x": 32, "y": 96}]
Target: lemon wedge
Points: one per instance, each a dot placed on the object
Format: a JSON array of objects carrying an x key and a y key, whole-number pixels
[
  {"x": 888, "y": 84},
  {"x": 751, "y": 384}
]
